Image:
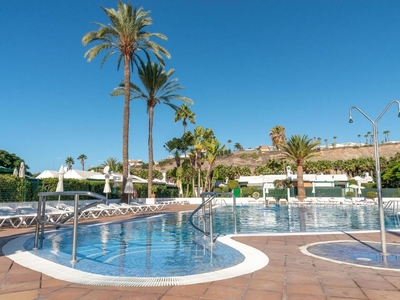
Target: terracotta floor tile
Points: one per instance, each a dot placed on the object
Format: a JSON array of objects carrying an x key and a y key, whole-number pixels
[
  {"x": 67, "y": 294},
  {"x": 103, "y": 295},
  {"x": 262, "y": 295},
  {"x": 22, "y": 295},
  {"x": 382, "y": 295},
  {"x": 304, "y": 289},
  {"x": 228, "y": 293},
  {"x": 196, "y": 290},
  {"x": 376, "y": 285},
  {"x": 266, "y": 285},
  {"x": 344, "y": 292}
]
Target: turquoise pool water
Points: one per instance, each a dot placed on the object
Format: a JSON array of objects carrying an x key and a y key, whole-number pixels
[{"x": 167, "y": 245}]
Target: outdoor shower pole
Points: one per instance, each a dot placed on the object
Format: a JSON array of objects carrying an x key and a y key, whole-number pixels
[{"x": 377, "y": 167}]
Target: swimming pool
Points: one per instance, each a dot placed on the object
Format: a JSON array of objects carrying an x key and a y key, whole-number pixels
[{"x": 167, "y": 246}]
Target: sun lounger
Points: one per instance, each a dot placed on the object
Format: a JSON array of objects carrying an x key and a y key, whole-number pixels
[{"x": 148, "y": 207}]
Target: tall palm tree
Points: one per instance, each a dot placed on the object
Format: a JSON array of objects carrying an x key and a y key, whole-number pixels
[
  {"x": 386, "y": 133},
  {"x": 299, "y": 149},
  {"x": 184, "y": 113},
  {"x": 124, "y": 36},
  {"x": 277, "y": 135},
  {"x": 82, "y": 159},
  {"x": 69, "y": 162},
  {"x": 369, "y": 134},
  {"x": 160, "y": 89},
  {"x": 213, "y": 148},
  {"x": 229, "y": 143}
]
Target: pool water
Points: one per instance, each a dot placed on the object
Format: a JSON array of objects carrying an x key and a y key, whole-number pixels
[
  {"x": 154, "y": 247},
  {"x": 303, "y": 218},
  {"x": 167, "y": 245}
]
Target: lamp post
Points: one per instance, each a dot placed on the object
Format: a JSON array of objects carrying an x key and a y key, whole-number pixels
[{"x": 377, "y": 166}]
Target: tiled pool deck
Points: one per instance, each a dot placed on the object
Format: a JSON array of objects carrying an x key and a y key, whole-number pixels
[{"x": 289, "y": 275}]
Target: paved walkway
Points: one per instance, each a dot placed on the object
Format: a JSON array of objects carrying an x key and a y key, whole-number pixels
[{"x": 289, "y": 275}]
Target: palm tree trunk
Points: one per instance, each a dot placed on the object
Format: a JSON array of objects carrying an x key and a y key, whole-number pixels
[
  {"x": 125, "y": 131},
  {"x": 300, "y": 183},
  {"x": 150, "y": 145}
]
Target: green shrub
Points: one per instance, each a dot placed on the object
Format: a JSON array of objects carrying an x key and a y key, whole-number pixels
[
  {"x": 350, "y": 194},
  {"x": 371, "y": 195}
]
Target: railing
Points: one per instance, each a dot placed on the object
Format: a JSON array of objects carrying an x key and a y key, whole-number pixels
[
  {"x": 211, "y": 196},
  {"x": 392, "y": 208},
  {"x": 42, "y": 220}
]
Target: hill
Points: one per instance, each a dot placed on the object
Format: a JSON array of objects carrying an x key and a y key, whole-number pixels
[{"x": 253, "y": 158}]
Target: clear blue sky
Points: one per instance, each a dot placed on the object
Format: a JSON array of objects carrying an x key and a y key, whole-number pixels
[{"x": 247, "y": 65}]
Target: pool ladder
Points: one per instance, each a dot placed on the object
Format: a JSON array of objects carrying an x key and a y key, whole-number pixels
[
  {"x": 209, "y": 198},
  {"x": 392, "y": 208},
  {"x": 42, "y": 219}
]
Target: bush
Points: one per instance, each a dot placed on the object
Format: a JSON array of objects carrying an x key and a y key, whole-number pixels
[
  {"x": 350, "y": 194},
  {"x": 371, "y": 195}
]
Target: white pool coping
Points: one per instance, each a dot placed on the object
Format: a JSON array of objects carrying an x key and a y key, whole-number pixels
[{"x": 253, "y": 261}]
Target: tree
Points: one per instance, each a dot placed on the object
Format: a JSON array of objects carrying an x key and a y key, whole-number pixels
[
  {"x": 334, "y": 142},
  {"x": 212, "y": 148},
  {"x": 386, "y": 133},
  {"x": 160, "y": 89},
  {"x": 11, "y": 161},
  {"x": 369, "y": 134},
  {"x": 229, "y": 143},
  {"x": 326, "y": 143},
  {"x": 359, "y": 138},
  {"x": 299, "y": 149},
  {"x": 277, "y": 135},
  {"x": 124, "y": 36},
  {"x": 184, "y": 113},
  {"x": 113, "y": 164},
  {"x": 238, "y": 147},
  {"x": 176, "y": 147},
  {"x": 69, "y": 161},
  {"x": 82, "y": 159}
]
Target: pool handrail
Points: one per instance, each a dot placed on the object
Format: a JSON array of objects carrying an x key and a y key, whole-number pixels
[
  {"x": 202, "y": 206},
  {"x": 42, "y": 221}
]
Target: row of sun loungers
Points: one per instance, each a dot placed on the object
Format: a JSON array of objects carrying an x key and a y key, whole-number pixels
[
  {"x": 324, "y": 201},
  {"x": 26, "y": 216}
]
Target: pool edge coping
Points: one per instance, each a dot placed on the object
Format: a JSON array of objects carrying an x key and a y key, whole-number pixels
[{"x": 253, "y": 261}]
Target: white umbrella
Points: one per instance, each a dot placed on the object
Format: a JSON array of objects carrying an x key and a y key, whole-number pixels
[
  {"x": 15, "y": 173},
  {"x": 107, "y": 188},
  {"x": 359, "y": 190},
  {"x": 129, "y": 185},
  {"x": 22, "y": 170},
  {"x": 60, "y": 183}
]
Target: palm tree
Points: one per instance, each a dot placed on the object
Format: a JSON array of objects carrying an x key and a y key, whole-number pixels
[
  {"x": 124, "y": 36},
  {"x": 334, "y": 141},
  {"x": 69, "y": 162},
  {"x": 213, "y": 148},
  {"x": 326, "y": 143},
  {"x": 160, "y": 89},
  {"x": 113, "y": 164},
  {"x": 369, "y": 134},
  {"x": 277, "y": 135},
  {"x": 359, "y": 138},
  {"x": 386, "y": 133},
  {"x": 82, "y": 158},
  {"x": 229, "y": 143},
  {"x": 238, "y": 147},
  {"x": 299, "y": 149},
  {"x": 184, "y": 113},
  {"x": 176, "y": 147}
]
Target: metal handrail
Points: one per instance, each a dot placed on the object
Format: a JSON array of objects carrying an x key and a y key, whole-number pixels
[
  {"x": 202, "y": 206},
  {"x": 42, "y": 221}
]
